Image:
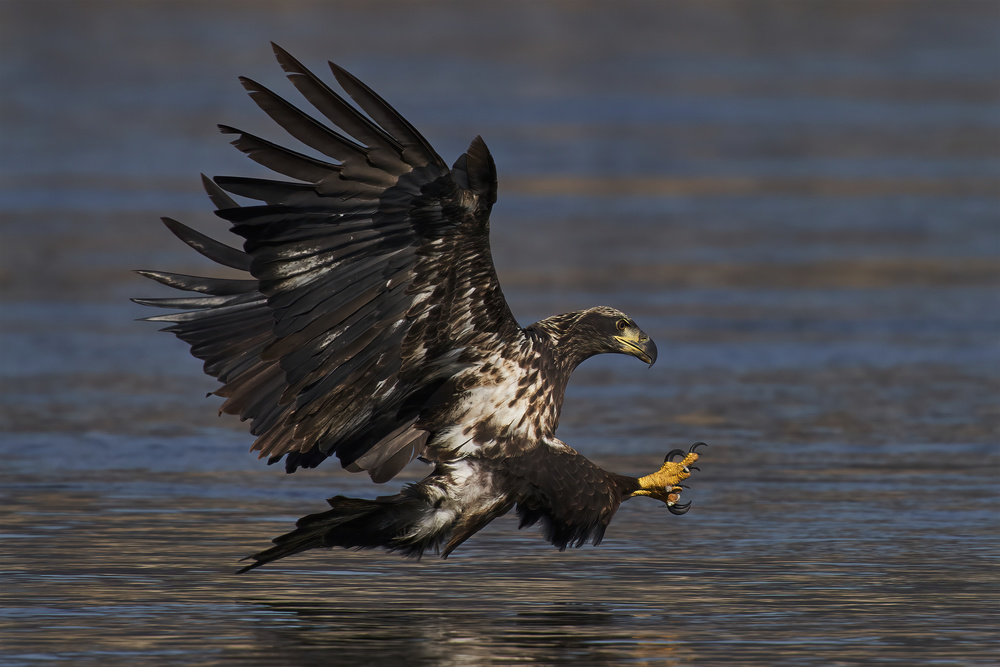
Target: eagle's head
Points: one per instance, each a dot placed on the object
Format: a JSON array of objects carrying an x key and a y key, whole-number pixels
[{"x": 603, "y": 329}]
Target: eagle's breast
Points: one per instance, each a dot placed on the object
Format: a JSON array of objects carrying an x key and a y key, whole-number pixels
[{"x": 512, "y": 401}]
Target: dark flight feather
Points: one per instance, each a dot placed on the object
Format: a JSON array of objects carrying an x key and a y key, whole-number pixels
[{"x": 346, "y": 263}]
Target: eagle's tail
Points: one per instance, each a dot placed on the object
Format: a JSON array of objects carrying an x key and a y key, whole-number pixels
[{"x": 352, "y": 523}]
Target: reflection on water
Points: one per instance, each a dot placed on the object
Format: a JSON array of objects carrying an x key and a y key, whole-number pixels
[{"x": 798, "y": 203}]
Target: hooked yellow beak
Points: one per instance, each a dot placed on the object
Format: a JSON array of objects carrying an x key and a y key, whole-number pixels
[{"x": 634, "y": 341}]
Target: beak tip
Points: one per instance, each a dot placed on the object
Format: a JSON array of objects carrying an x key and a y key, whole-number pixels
[
  {"x": 651, "y": 352},
  {"x": 643, "y": 348}
]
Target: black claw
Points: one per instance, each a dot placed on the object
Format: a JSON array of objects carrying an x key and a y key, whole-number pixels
[
  {"x": 690, "y": 468},
  {"x": 696, "y": 445},
  {"x": 679, "y": 509},
  {"x": 672, "y": 453}
]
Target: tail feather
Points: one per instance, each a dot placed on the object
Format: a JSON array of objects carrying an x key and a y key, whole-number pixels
[{"x": 353, "y": 523}]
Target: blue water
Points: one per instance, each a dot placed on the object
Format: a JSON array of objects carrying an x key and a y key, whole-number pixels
[{"x": 799, "y": 202}]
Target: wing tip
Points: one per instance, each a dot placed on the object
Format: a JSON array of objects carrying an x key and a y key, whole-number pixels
[{"x": 476, "y": 171}]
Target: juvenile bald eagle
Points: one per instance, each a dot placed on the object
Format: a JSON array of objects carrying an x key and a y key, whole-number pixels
[{"x": 370, "y": 326}]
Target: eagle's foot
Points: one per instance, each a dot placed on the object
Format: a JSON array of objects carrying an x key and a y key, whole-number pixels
[{"x": 665, "y": 483}]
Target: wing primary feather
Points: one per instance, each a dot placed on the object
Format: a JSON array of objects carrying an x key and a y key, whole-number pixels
[
  {"x": 383, "y": 114},
  {"x": 219, "y": 198},
  {"x": 184, "y": 303},
  {"x": 215, "y": 250},
  {"x": 268, "y": 214},
  {"x": 304, "y": 195},
  {"x": 214, "y": 286},
  {"x": 226, "y": 306},
  {"x": 279, "y": 159},
  {"x": 338, "y": 111},
  {"x": 302, "y": 126}
]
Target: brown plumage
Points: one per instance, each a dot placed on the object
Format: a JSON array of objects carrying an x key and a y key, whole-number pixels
[{"x": 370, "y": 326}]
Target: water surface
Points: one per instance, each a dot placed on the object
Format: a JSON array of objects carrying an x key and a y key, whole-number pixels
[{"x": 799, "y": 202}]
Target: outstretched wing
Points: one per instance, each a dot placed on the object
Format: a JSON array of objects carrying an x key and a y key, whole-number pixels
[{"x": 370, "y": 282}]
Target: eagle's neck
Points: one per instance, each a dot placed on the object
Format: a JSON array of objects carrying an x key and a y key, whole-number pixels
[{"x": 567, "y": 346}]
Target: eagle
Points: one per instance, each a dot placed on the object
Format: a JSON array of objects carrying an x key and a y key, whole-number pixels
[{"x": 367, "y": 323}]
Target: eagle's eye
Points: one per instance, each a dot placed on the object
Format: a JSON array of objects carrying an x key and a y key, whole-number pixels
[{"x": 622, "y": 325}]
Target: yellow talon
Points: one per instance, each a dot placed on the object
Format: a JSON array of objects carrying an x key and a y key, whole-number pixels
[{"x": 662, "y": 484}]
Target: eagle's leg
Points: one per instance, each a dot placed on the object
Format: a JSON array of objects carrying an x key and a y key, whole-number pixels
[{"x": 665, "y": 483}]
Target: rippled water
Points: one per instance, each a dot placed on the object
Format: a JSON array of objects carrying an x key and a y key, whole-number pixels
[{"x": 799, "y": 202}]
